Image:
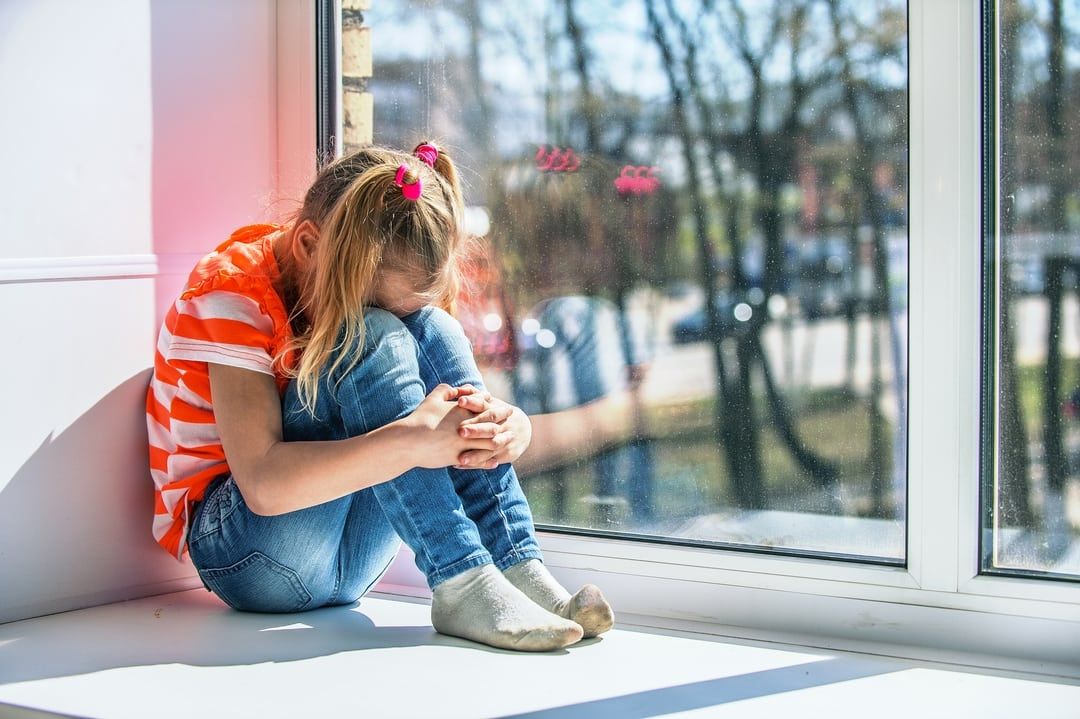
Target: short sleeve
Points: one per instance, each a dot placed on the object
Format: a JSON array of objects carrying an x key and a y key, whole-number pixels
[{"x": 222, "y": 327}]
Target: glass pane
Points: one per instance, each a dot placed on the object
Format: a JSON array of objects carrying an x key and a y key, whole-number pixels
[
  {"x": 1033, "y": 496},
  {"x": 694, "y": 267}
]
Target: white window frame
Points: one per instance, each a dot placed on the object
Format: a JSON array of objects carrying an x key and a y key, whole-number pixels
[
  {"x": 297, "y": 136},
  {"x": 939, "y": 606}
]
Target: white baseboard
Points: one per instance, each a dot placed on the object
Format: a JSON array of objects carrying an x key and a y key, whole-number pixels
[{"x": 93, "y": 599}]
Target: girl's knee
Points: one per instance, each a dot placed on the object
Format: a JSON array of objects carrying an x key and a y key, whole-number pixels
[
  {"x": 444, "y": 352},
  {"x": 388, "y": 346},
  {"x": 380, "y": 323},
  {"x": 381, "y": 382},
  {"x": 384, "y": 341},
  {"x": 434, "y": 326}
]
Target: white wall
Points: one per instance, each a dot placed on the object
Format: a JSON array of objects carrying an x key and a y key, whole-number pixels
[{"x": 135, "y": 136}]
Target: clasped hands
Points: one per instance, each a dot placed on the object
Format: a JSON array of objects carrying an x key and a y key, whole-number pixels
[{"x": 467, "y": 428}]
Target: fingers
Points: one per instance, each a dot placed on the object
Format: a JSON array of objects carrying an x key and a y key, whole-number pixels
[
  {"x": 479, "y": 430},
  {"x": 473, "y": 402},
  {"x": 478, "y": 459},
  {"x": 485, "y": 453},
  {"x": 493, "y": 443},
  {"x": 445, "y": 392},
  {"x": 498, "y": 414},
  {"x": 468, "y": 396}
]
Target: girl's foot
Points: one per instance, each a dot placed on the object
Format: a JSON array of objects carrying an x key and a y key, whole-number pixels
[
  {"x": 588, "y": 607},
  {"x": 482, "y": 605}
]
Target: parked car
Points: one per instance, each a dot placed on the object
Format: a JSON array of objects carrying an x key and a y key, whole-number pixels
[{"x": 692, "y": 327}]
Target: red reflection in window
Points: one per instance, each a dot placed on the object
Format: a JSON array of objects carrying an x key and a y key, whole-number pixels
[
  {"x": 637, "y": 180},
  {"x": 485, "y": 312},
  {"x": 557, "y": 159}
]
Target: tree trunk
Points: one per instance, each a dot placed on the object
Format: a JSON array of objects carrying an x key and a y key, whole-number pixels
[
  {"x": 851, "y": 306},
  {"x": 596, "y": 238},
  {"x": 881, "y": 302},
  {"x": 735, "y": 426}
]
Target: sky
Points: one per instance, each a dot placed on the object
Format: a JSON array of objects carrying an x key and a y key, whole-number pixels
[{"x": 623, "y": 55}]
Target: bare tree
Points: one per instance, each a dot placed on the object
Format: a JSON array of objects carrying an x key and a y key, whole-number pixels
[
  {"x": 867, "y": 146},
  {"x": 734, "y": 417}
]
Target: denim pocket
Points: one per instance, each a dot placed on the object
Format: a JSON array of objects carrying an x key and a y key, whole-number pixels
[
  {"x": 258, "y": 584},
  {"x": 218, "y": 502}
]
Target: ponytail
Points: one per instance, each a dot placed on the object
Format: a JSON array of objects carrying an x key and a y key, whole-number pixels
[{"x": 366, "y": 222}]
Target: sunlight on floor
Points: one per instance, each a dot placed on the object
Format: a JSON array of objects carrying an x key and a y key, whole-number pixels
[{"x": 382, "y": 658}]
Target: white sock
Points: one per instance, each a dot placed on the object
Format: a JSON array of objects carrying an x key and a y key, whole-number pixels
[
  {"x": 588, "y": 607},
  {"x": 482, "y": 605}
]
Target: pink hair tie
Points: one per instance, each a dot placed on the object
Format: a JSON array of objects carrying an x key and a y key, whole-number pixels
[
  {"x": 411, "y": 190},
  {"x": 427, "y": 153}
]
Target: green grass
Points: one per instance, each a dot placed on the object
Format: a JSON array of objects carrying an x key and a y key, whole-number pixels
[{"x": 691, "y": 474}]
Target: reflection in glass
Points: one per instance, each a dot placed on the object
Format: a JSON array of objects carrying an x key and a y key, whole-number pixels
[
  {"x": 1032, "y": 522},
  {"x": 695, "y": 245}
]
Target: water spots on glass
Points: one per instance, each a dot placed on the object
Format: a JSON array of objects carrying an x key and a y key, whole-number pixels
[
  {"x": 1032, "y": 488},
  {"x": 745, "y": 308}
]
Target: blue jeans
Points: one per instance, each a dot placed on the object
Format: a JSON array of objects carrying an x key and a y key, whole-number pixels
[
  {"x": 587, "y": 357},
  {"x": 333, "y": 553}
]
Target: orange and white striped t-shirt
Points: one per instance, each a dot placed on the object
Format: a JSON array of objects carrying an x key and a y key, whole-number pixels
[{"x": 229, "y": 313}]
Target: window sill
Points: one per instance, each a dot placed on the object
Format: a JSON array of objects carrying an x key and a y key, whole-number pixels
[{"x": 1022, "y": 625}]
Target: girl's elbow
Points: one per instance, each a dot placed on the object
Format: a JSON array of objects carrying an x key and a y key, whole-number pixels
[{"x": 255, "y": 497}]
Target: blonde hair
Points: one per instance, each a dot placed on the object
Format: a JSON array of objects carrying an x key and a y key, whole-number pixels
[{"x": 364, "y": 224}]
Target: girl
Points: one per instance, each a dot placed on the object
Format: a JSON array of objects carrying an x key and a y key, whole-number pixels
[{"x": 313, "y": 404}]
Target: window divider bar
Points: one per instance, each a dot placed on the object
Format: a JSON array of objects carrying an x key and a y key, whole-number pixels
[
  {"x": 943, "y": 88},
  {"x": 969, "y": 277},
  {"x": 297, "y": 131}
]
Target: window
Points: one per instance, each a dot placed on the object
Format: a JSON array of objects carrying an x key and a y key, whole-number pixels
[
  {"x": 872, "y": 214},
  {"x": 1032, "y": 467},
  {"x": 695, "y": 225}
]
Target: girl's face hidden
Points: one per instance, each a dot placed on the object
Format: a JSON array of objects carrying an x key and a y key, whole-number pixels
[{"x": 397, "y": 293}]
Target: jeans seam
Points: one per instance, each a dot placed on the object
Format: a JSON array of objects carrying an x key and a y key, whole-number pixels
[
  {"x": 478, "y": 558},
  {"x": 337, "y": 579},
  {"x": 515, "y": 551},
  {"x": 422, "y": 354},
  {"x": 378, "y": 576},
  {"x": 359, "y": 406},
  {"x": 288, "y": 574},
  {"x": 517, "y": 555},
  {"x": 201, "y": 509},
  {"x": 412, "y": 525},
  {"x": 232, "y": 509},
  {"x": 192, "y": 541},
  {"x": 221, "y": 521},
  {"x": 502, "y": 514}
]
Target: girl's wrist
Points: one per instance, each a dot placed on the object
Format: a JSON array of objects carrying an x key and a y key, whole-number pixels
[{"x": 399, "y": 439}]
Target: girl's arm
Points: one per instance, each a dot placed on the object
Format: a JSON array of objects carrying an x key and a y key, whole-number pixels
[
  {"x": 276, "y": 477},
  {"x": 579, "y": 432},
  {"x": 556, "y": 438}
]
